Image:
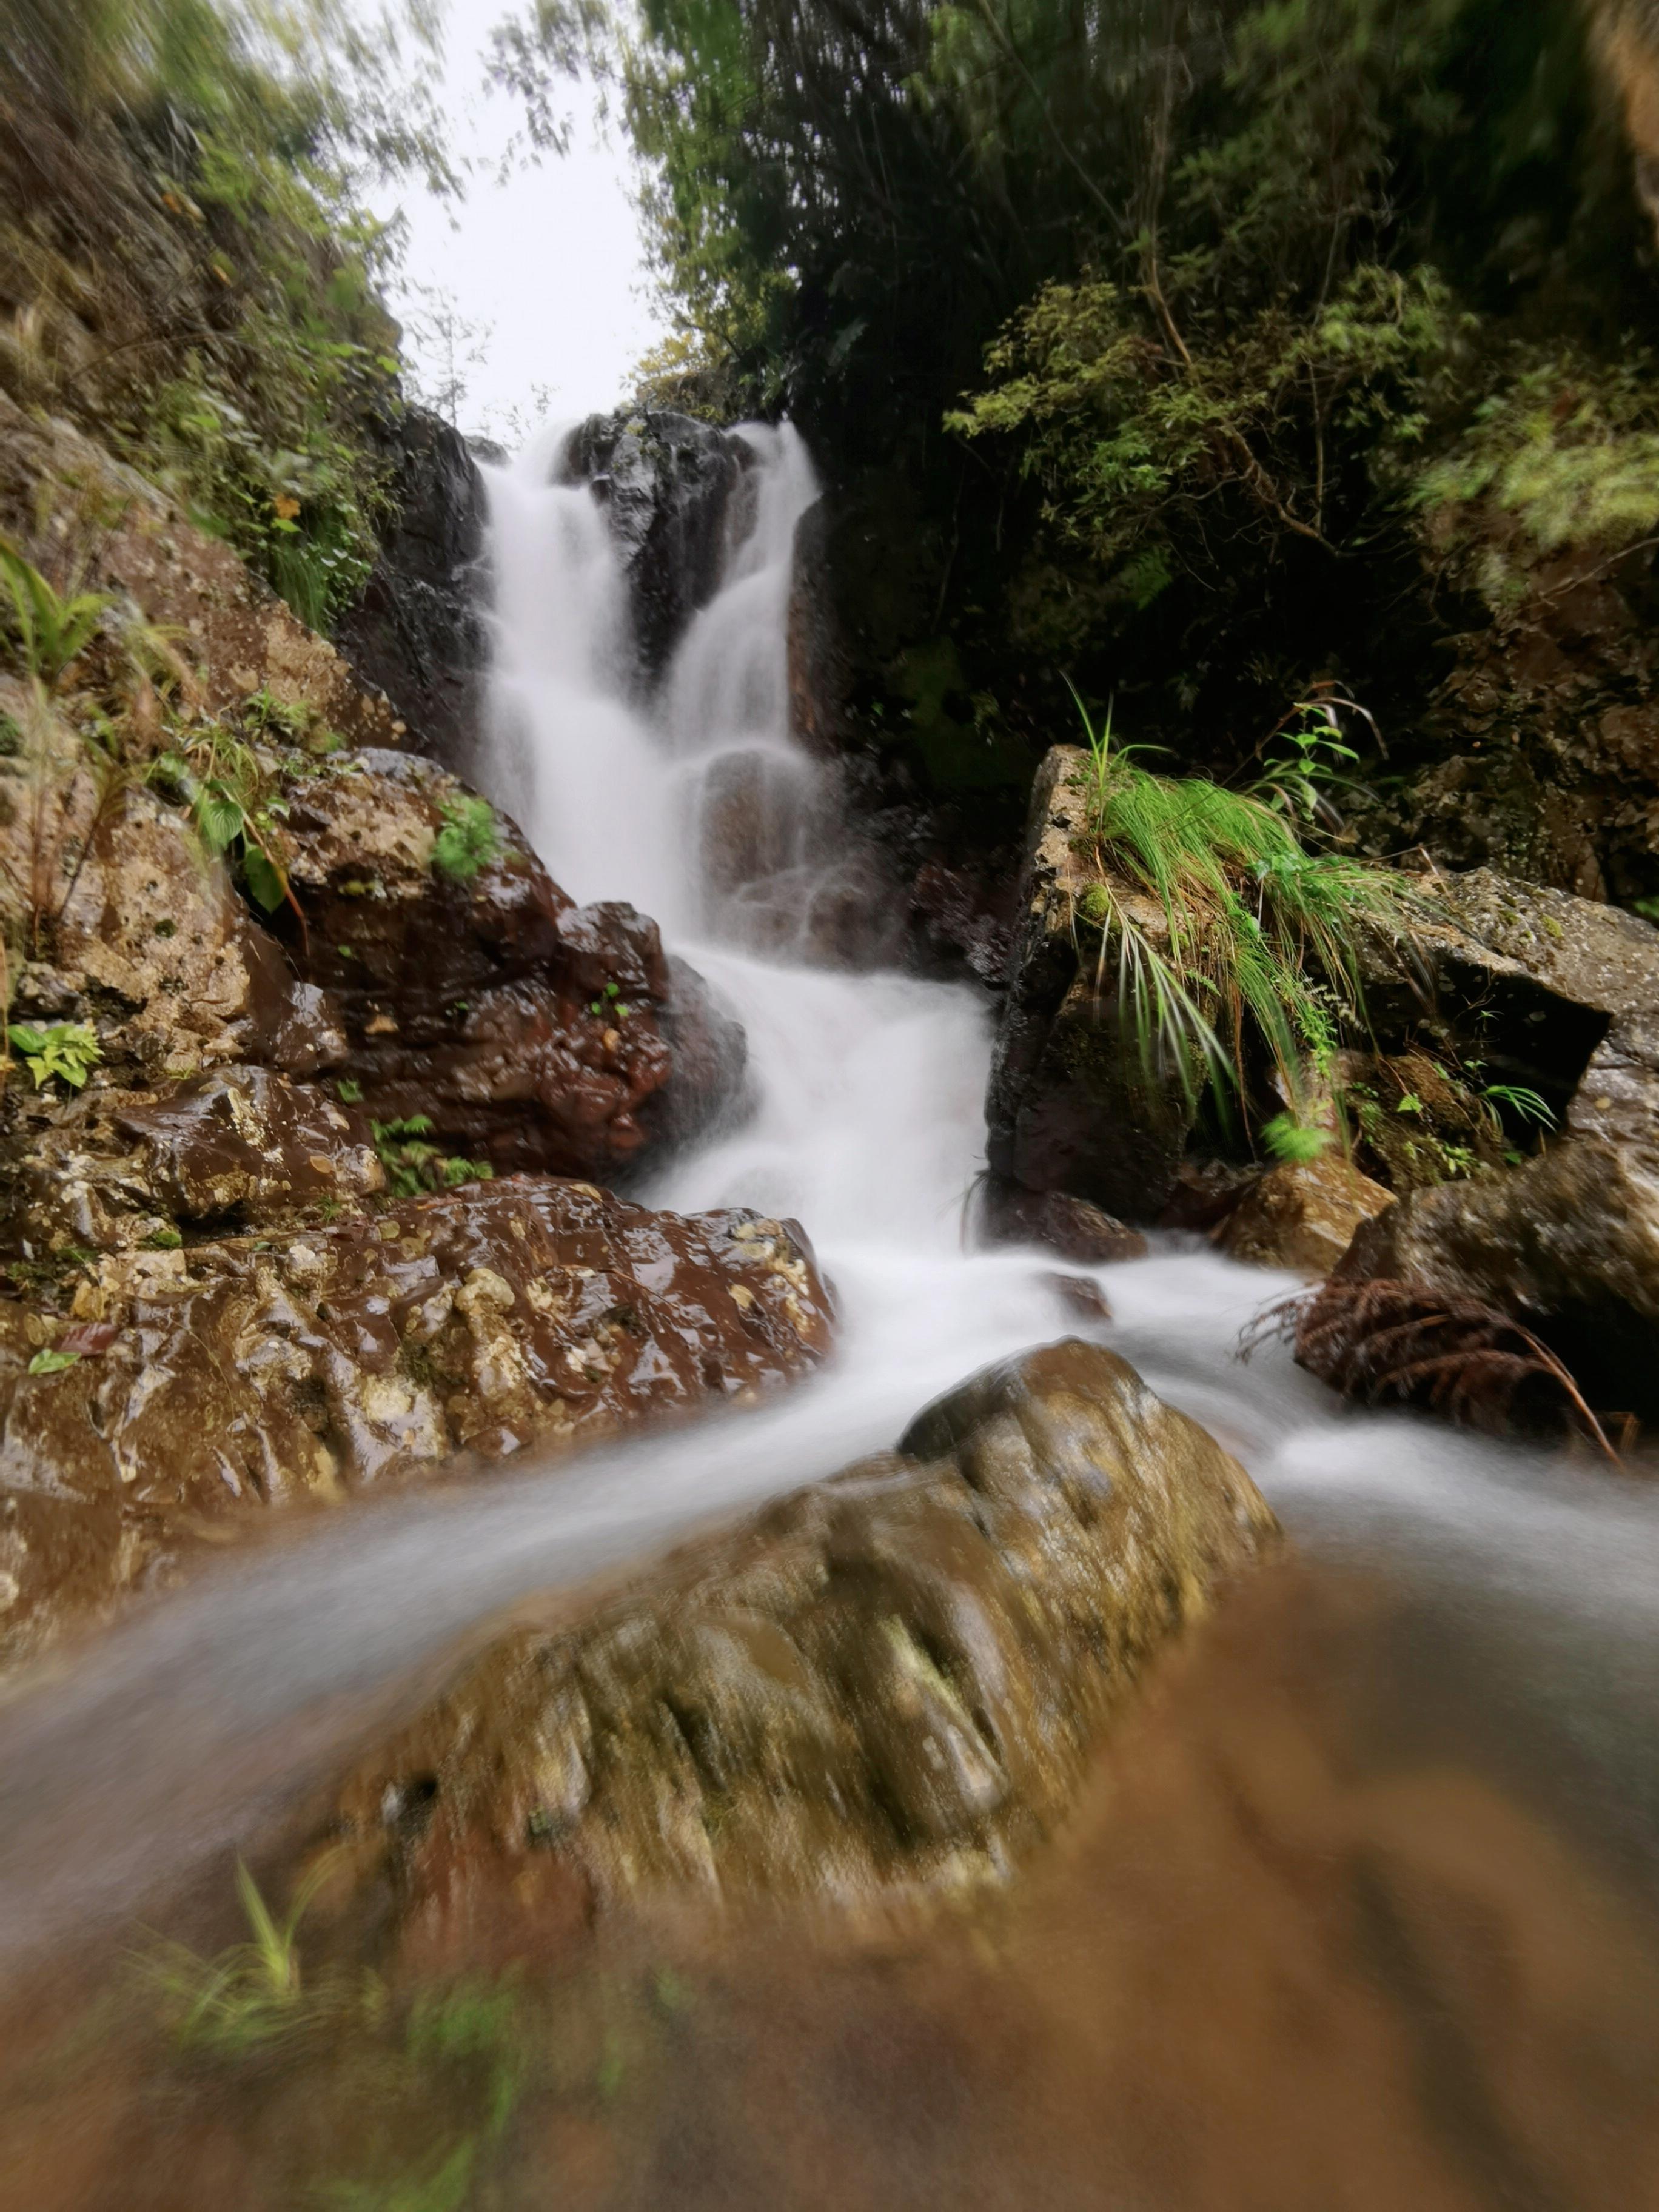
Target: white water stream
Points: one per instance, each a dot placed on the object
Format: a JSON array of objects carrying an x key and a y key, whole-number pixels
[{"x": 172, "y": 1736}]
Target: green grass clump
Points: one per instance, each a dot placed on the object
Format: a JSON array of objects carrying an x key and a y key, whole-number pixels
[
  {"x": 1263, "y": 935},
  {"x": 470, "y": 839}
]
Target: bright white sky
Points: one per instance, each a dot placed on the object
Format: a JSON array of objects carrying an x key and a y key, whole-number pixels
[{"x": 551, "y": 264}]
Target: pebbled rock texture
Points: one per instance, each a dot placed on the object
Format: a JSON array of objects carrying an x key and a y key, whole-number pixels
[
  {"x": 889, "y": 1681},
  {"x": 255, "y": 1372}
]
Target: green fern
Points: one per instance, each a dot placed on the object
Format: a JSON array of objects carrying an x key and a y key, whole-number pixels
[{"x": 51, "y": 631}]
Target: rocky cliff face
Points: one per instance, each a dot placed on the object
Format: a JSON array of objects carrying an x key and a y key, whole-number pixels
[
  {"x": 320, "y": 1206},
  {"x": 418, "y": 632}
]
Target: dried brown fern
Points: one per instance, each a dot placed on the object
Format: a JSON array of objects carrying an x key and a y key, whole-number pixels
[{"x": 1386, "y": 1339}]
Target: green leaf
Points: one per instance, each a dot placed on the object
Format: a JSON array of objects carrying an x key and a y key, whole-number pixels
[
  {"x": 54, "y": 1362},
  {"x": 266, "y": 883},
  {"x": 219, "y": 818}
]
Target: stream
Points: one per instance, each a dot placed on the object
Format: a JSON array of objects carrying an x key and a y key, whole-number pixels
[{"x": 1529, "y": 1586}]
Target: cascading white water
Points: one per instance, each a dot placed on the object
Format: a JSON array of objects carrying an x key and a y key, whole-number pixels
[{"x": 174, "y": 1732}]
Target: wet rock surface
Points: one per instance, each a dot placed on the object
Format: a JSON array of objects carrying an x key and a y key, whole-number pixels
[
  {"x": 1068, "y": 1108},
  {"x": 531, "y": 1033},
  {"x": 184, "y": 1386},
  {"x": 149, "y": 942},
  {"x": 667, "y": 484},
  {"x": 1568, "y": 1244},
  {"x": 1070, "y": 1226},
  {"x": 115, "y": 1169},
  {"x": 418, "y": 631},
  {"x": 1302, "y": 1215},
  {"x": 889, "y": 1681}
]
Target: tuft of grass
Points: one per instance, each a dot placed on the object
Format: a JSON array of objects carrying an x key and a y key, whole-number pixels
[
  {"x": 1262, "y": 936},
  {"x": 250, "y": 1996}
]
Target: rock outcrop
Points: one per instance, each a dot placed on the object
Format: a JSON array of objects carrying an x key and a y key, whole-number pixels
[
  {"x": 148, "y": 1396},
  {"x": 667, "y": 484},
  {"x": 112, "y": 531},
  {"x": 1566, "y": 1244},
  {"x": 530, "y": 1032},
  {"x": 1070, "y": 1107},
  {"x": 890, "y": 1680},
  {"x": 418, "y": 632}
]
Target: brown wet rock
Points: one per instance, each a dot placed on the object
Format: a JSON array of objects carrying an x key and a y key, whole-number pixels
[
  {"x": 112, "y": 1168},
  {"x": 1568, "y": 1245},
  {"x": 1302, "y": 1214},
  {"x": 1070, "y": 1226},
  {"x": 532, "y": 1032},
  {"x": 1069, "y": 1108},
  {"x": 149, "y": 941},
  {"x": 257, "y": 1371},
  {"x": 888, "y": 1681}
]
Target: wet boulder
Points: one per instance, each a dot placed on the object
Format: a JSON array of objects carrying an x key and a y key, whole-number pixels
[
  {"x": 667, "y": 484},
  {"x": 149, "y": 942},
  {"x": 531, "y": 1033},
  {"x": 1070, "y": 1106},
  {"x": 149, "y": 1397},
  {"x": 887, "y": 1680},
  {"x": 1568, "y": 1245},
  {"x": 418, "y": 631},
  {"x": 1301, "y": 1215},
  {"x": 113, "y": 1169},
  {"x": 1070, "y": 1226}
]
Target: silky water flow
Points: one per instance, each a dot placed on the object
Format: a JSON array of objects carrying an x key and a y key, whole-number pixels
[{"x": 1534, "y": 1583}]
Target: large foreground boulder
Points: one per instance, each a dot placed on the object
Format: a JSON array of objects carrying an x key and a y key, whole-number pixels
[
  {"x": 888, "y": 1679},
  {"x": 147, "y": 1396}
]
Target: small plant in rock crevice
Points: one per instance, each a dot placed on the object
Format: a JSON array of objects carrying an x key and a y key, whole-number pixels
[
  {"x": 469, "y": 841},
  {"x": 414, "y": 1167},
  {"x": 224, "y": 788},
  {"x": 66, "y": 1051}
]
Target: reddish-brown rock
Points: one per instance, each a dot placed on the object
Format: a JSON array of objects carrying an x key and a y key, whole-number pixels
[
  {"x": 251, "y": 1372},
  {"x": 532, "y": 1032}
]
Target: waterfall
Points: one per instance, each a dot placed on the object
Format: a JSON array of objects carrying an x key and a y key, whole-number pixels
[{"x": 1537, "y": 1584}]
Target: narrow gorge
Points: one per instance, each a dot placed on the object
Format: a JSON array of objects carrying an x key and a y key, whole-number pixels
[{"x": 828, "y": 1303}]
